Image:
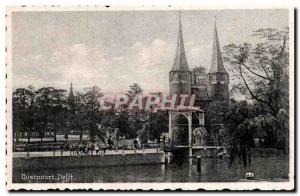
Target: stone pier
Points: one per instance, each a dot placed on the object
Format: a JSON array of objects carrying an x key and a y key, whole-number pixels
[{"x": 52, "y": 162}]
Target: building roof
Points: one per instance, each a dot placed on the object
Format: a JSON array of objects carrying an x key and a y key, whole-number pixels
[
  {"x": 180, "y": 62},
  {"x": 201, "y": 93},
  {"x": 216, "y": 65},
  {"x": 183, "y": 109}
]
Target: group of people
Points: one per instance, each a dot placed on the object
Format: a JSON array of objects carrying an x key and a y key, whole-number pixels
[
  {"x": 85, "y": 148},
  {"x": 97, "y": 148}
]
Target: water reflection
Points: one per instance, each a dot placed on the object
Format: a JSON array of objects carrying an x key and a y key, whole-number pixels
[{"x": 212, "y": 170}]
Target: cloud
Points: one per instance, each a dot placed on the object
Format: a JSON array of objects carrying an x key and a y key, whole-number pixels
[
  {"x": 145, "y": 63},
  {"x": 151, "y": 63},
  {"x": 198, "y": 54},
  {"x": 113, "y": 51},
  {"x": 73, "y": 63},
  {"x": 150, "y": 56},
  {"x": 76, "y": 63}
]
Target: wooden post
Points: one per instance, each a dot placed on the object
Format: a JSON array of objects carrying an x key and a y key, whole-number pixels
[
  {"x": 190, "y": 167},
  {"x": 169, "y": 157},
  {"x": 170, "y": 127},
  {"x": 201, "y": 118},
  {"x": 166, "y": 157},
  {"x": 27, "y": 151},
  {"x": 190, "y": 134},
  {"x": 199, "y": 164},
  {"x": 163, "y": 169},
  {"x": 123, "y": 148}
]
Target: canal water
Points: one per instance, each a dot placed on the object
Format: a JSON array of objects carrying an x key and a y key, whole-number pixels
[{"x": 212, "y": 170}]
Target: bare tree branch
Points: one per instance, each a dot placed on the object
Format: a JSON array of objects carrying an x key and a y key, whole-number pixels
[
  {"x": 252, "y": 93},
  {"x": 258, "y": 75}
]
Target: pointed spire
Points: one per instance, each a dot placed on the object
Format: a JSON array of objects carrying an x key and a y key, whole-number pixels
[
  {"x": 180, "y": 62},
  {"x": 71, "y": 94},
  {"x": 216, "y": 61}
]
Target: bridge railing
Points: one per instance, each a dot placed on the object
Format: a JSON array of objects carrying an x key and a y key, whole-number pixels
[{"x": 207, "y": 143}]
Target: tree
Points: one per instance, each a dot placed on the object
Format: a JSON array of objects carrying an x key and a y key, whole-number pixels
[
  {"x": 43, "y": 112},
  {"x": 282, "y": 132},
  {"x": 237, "y": 114},
  {"x": 239, "y": 129},
  {"x": 51, "y": 110},
  {"x": 23, "y": 99},
  {"x": 130, "y": 121},
  {"x": 158, "y": 123},
  {"x": 122, "y": 123},
  {"x": 80, "y": 114},
  {"x": 59, "y": 110},
  {"x": 90, "y": 109},
  {"x": 216, "y": 111},
  {"x": 134, "y": 90},
  {"x": 261, "y": 70}
]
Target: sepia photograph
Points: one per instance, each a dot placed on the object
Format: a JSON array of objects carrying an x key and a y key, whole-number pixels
[{"x": 127, "y": 98}]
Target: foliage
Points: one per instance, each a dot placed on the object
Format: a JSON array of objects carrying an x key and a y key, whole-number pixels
[
  {"x": 216, "y": 111},
  {"x": 49, "y": 111},
  {"x": 260, "y": 73},
  {"x": 244, "y": 124},
  {"x": 261, "y": 69},
  {"x": 23, "y": 111}
]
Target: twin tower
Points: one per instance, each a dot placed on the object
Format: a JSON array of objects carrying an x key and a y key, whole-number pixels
[{"x": 209, "y": 87}]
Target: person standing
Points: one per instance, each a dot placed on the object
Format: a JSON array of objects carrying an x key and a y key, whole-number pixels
[
  {"x": 62, "y": 148},
  {"x": 92, "y": 147},
  {"x": 135, "y": 144},
  {"x": 97, "y": 148},
  {"x": 110, "y": 143},
  {"x": 104, "y": 148},
  {"x": 139, "y": 143}
]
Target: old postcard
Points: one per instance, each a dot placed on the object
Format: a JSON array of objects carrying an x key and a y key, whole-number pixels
[{"x": 140, "y": 98}]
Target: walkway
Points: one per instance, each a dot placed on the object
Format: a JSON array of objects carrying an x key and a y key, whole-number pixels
[
  {"x": 58, "y": 153},
  {"x": 201, "y": 147}
]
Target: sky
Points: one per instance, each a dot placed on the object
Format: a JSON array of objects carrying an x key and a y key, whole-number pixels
[{"x": 113, "y": 49}]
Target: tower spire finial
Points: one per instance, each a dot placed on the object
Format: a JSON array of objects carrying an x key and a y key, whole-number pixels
[
  {"x": 71, "y": 93},
  {"x": 216, "y": 62},
  {"x": 215, "y": 21},
  {"x": 179, "y": 22},
  {"x": 180, "y": 62}
]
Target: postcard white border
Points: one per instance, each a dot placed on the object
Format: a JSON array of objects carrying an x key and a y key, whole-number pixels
[{"x": 289, "y": 185}]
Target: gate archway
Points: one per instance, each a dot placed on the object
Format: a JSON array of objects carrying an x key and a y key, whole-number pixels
[{"x": 188, "y": 113}]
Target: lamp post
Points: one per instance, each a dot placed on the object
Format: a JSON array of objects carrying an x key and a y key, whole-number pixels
[{"x": 117, "y": 129}]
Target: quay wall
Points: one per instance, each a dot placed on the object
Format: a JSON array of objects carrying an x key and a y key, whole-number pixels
[
  {"x": 87, "y": 161},
  {"x": 255, "y": 152},
  {"x": 210, "y": 152}
]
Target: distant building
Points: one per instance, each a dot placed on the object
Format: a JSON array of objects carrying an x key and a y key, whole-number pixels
[
  {"x": 71, "y": 113},
  {"x": 210, "y": 88}
]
